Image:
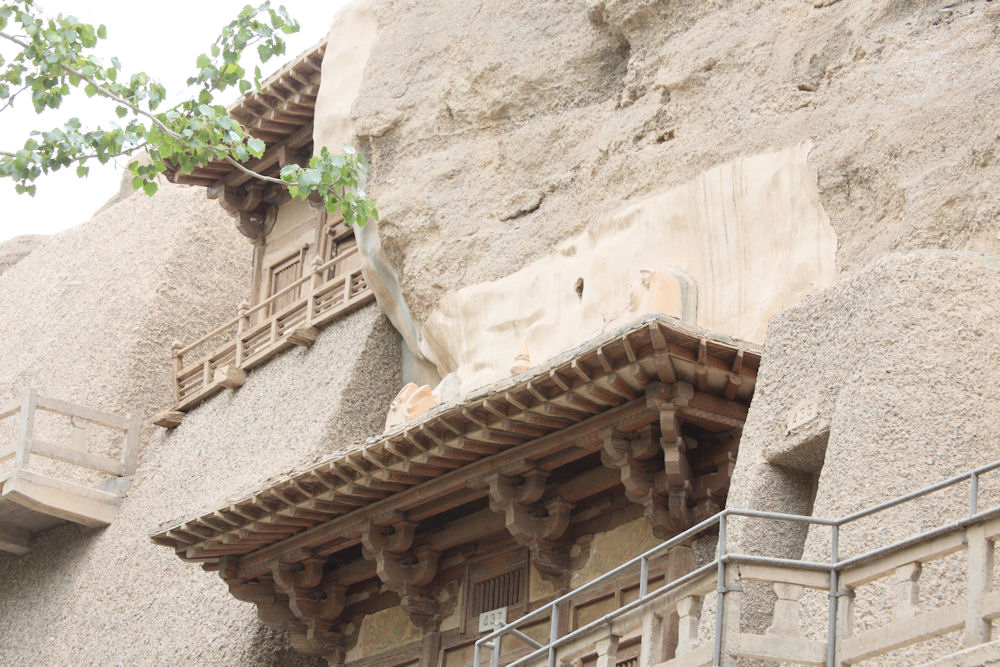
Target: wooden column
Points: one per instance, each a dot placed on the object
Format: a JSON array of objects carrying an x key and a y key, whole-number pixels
[
  {"x": 130, "y": 444},
  {"x": 175, "y": 350},
  {"x": 242, "y": 324}
]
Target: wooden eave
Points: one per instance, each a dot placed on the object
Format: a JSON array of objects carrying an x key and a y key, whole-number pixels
[
  {"x": 281, "y": 113},
  {"x": 542, "y": 418}
]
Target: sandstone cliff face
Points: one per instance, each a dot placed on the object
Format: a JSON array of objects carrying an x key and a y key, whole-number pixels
[
  {"x": 17, "y": 248},
  {"x": 495, "y": 131}
]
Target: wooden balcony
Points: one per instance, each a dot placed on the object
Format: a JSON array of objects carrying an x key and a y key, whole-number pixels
[
  {"x": 291, "y": 316},
  {"x": 73, "y": 483}
]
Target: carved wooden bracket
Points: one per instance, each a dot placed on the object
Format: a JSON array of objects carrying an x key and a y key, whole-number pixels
[
  {"x": 530, "y": 522},
  {"x": 405, "y": 569},
  {"x": 299, "y": 598},
  {"x": 316, "y": 599},
  {"x": 255, "y": 217},
  {"x": 664, "y": 493}
]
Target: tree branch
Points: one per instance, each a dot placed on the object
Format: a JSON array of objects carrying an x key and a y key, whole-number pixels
[
  {"x": 10, "y": 100},
  {"x": 103, "y": 91}
]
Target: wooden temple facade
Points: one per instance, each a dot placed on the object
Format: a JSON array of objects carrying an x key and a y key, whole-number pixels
[
  {"x": 393, "y": 552},
  {"x": 306, "y": 268}
]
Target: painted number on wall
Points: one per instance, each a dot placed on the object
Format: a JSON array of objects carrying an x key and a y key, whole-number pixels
[{"x": 492, "y": 619}]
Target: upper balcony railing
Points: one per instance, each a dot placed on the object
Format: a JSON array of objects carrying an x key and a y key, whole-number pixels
[
  {"x": 540, "y": 638},
  {"x": 291, "y": 316}
]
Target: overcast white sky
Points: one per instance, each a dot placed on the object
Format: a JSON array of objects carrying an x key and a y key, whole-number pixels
[{"x": 161, "y": 39}]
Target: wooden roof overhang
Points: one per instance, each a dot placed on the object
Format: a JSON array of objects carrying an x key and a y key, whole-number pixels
[
  {"x": 653, "y": 411},
  {"x": 281, "y": 113}
]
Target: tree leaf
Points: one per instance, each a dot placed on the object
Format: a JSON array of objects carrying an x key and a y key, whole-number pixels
[{"x": 256, "y": 146}]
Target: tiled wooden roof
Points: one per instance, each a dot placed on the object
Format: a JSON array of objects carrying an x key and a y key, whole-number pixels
[
  {"x": 543, "y": 416},
  {"x": 280, "y": 113}
]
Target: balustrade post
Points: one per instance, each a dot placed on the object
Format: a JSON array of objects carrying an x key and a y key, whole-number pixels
[
  {"x": 175, "y": 351},
  {"x": 130, "y": 444},
  {"x": 242, "y": 324},
  {"x": 785, "y": 621},
  {"x": 680, "y": 561},
  {"x": 314, "y": 284},
  {"x": 651, "y": 649},
  {"x": 607, "y": 651},
  {"x": 687, "y": 625},
  {"x": 907, "y": 590},
  {"x": 845, "y": 618},
  {"x": 25, "y": 428},
  {"x": 980, "y": 578}
]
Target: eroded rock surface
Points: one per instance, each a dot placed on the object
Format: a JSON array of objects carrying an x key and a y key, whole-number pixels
[{"x": 496, "y": 131}]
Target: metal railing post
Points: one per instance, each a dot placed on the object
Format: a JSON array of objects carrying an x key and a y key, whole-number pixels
[
  {"x": 495, "y": 658},
  {"x": 973, "y": 493},
  {"x": 553, "y": 635},
  {"x": 720, "y": 595},
  {"x": 643, "y": 577},
  {"x": 831, "y": 627}
]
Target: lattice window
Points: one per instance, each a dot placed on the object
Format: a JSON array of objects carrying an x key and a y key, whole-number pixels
[
  {"x": 494, "y": 580},
  {"x": 502, "y": 590}
]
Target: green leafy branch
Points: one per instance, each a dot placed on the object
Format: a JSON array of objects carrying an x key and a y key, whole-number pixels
[{"x": 54, "y": 59}]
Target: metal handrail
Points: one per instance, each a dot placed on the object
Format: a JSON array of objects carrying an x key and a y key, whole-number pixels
[{"x": 493, "y": 640}]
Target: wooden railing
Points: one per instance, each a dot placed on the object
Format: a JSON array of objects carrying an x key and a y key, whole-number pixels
[
  {"x": 670, "y": 620},
  {"x": 36, "y": 494},
  {"x": 259, "y": 332},
  {"x": 27, "y": 445}
]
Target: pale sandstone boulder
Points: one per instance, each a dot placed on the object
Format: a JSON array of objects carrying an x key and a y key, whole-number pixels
[{"x": 881, "y": 385}]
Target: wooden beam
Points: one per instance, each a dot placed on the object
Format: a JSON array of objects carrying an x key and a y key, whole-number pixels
[
  {"x": 270, "y": 159},
  {"x": 76, "y": 457}
]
